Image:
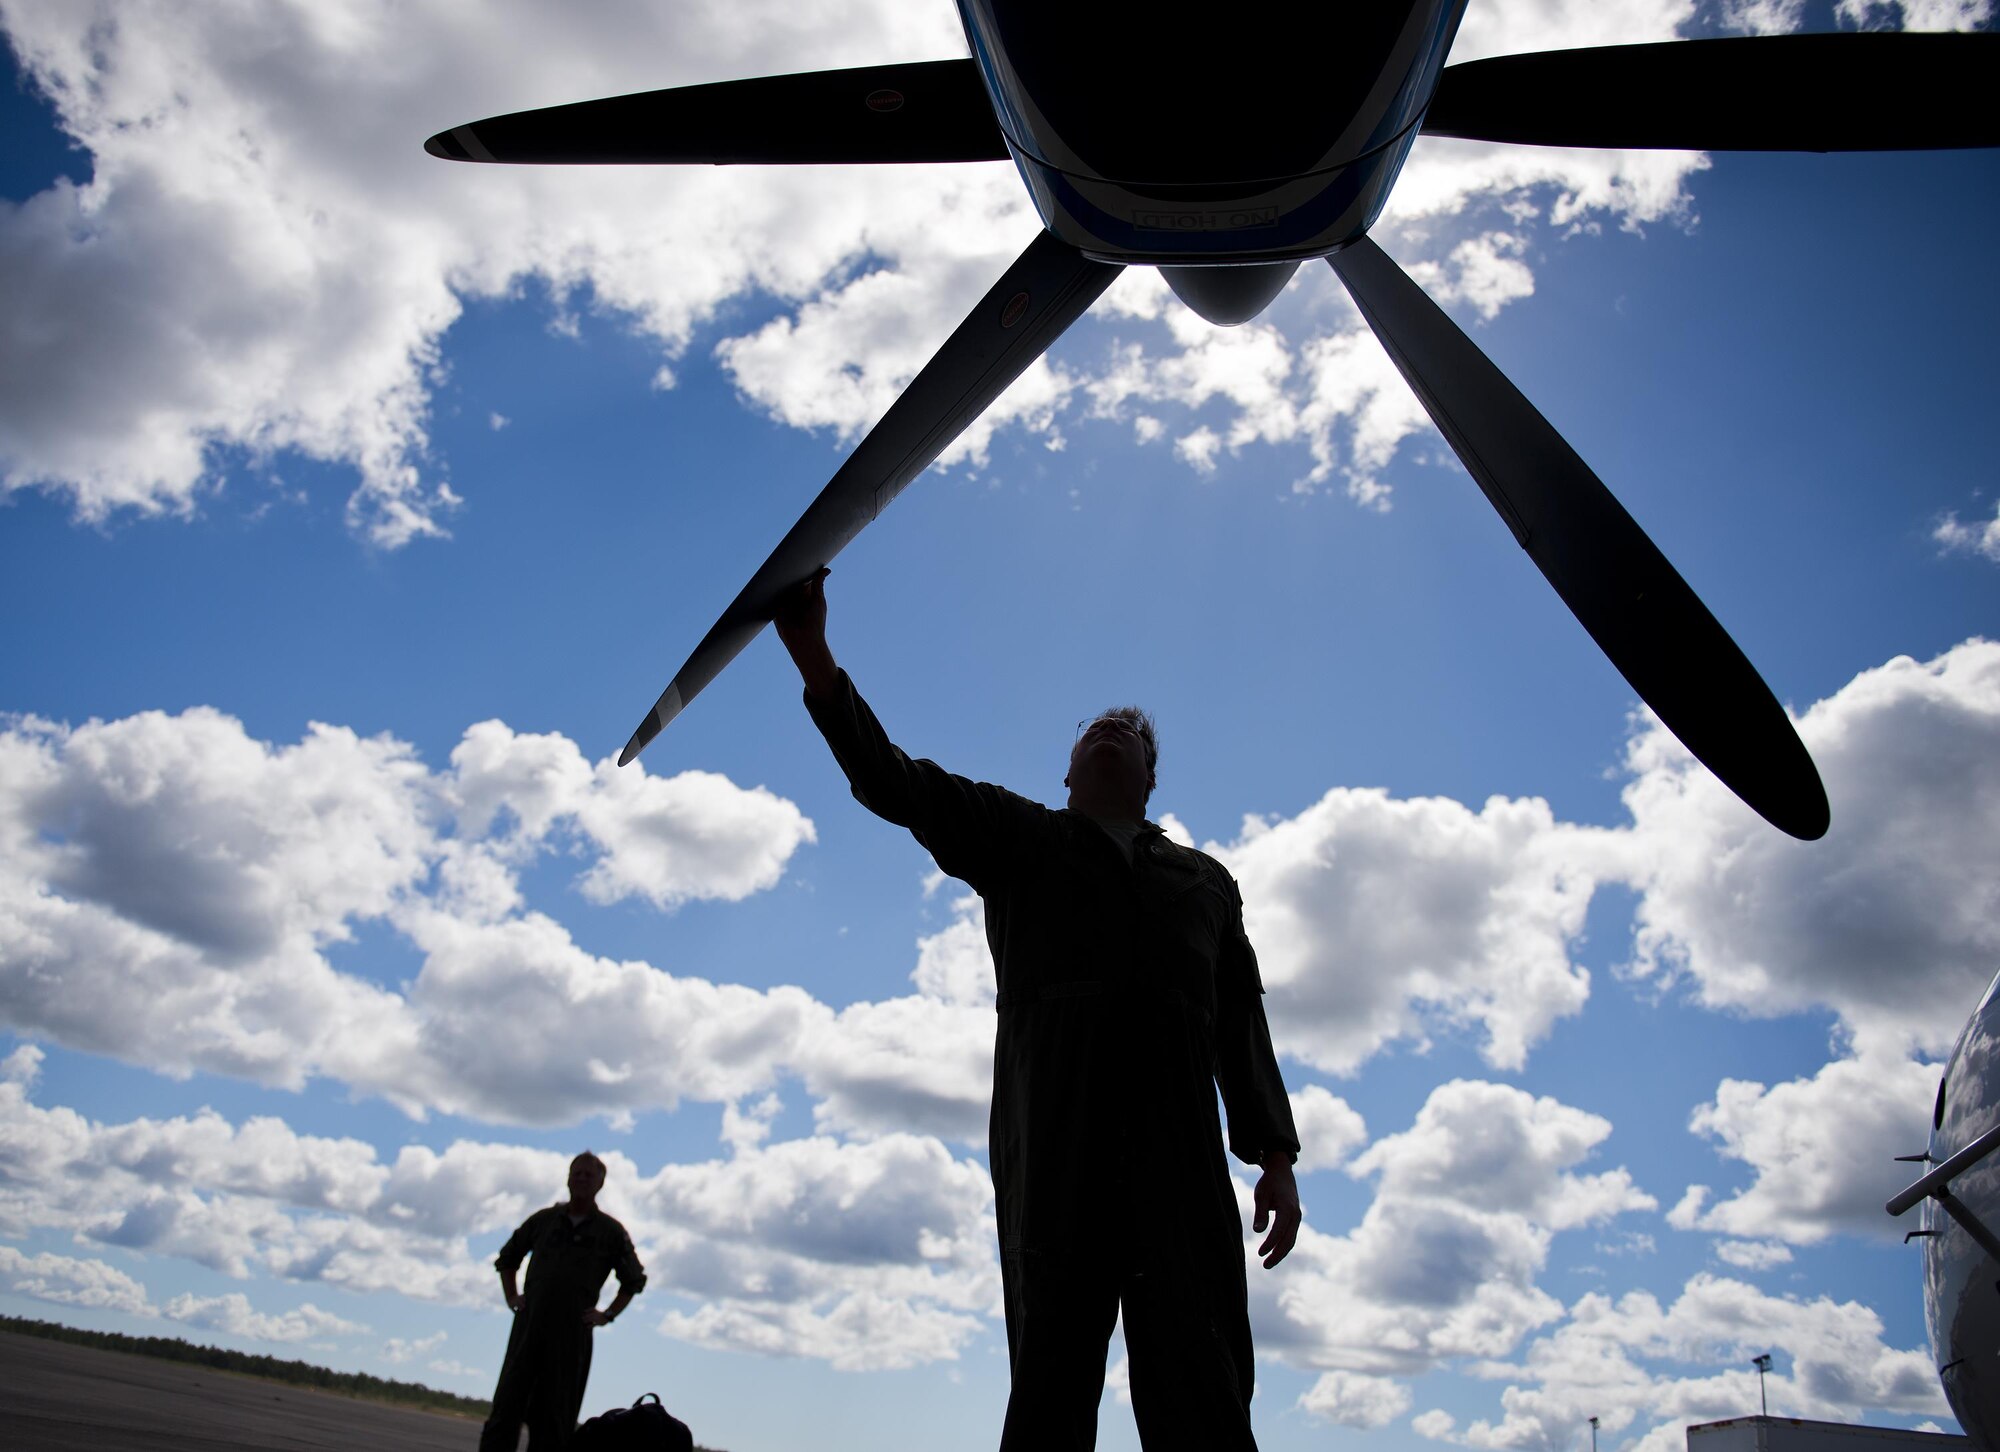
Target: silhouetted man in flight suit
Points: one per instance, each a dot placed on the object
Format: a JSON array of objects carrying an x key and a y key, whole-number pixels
[
  {"x": 571, "y": 1249},
  {"x": 1127, "y": 992}
]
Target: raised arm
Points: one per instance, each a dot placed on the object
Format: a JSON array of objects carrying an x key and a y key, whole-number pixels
[
  {"x": 976, "y": 831},
  {"x": 801, "y": 625}
]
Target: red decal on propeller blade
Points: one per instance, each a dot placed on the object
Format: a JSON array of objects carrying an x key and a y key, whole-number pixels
[
  {"x": 1016, "y": 306},
  {"x": 885, "y": 100}
]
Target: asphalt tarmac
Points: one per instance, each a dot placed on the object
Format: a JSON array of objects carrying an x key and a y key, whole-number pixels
[{"x": 62, "y": 1398}]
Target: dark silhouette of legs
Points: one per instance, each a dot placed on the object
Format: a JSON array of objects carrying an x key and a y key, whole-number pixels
[
  {"x": 502, "y": 1432},
  {"x": 1191, "y": 1363},
  {"x": 1060, "y": 1311},
  {"x": 1192, "y": 1370},
  {"x": 541, "y": 1388}
]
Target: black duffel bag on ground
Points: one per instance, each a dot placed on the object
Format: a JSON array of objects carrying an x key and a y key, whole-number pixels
[{"x": 645, "y": 1426}]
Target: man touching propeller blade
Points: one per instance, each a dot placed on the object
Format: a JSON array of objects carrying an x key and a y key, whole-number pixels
[
  {"x": 1127, "y": 991},
  {"x": 1227, "y": 188}
]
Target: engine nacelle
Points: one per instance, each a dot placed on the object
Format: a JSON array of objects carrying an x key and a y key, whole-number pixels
[{"x": 1237, "y": 141}]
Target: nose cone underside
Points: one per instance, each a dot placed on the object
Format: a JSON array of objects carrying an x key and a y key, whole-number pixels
[{"x": 1229, "y": 295}]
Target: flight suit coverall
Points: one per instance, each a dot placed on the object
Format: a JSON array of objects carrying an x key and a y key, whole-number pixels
[
  {"x": 1127, "y": 992},
  {"x": 548, "y": 1350}
]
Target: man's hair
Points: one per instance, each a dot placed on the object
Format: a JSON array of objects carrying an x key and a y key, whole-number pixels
[
  {"x": 1141, "y": 722},
  {"x": 592, "y": 1159}
]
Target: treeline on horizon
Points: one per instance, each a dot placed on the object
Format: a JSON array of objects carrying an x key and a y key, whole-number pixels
[{"x": 268, "y": 1368}]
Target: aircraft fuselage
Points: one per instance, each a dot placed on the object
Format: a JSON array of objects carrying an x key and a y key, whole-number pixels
[
  {"x": 1962, "y": 1277},
  {"x": 1269, "y": 136}
]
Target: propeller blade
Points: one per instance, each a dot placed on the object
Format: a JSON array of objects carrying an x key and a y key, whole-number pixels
[
  {"x": 1637, "y": 608},
  {"x": 927, "y": 111},
  {"x": 1049, "y": 287},
  {"x": 1859, "y": 91}
]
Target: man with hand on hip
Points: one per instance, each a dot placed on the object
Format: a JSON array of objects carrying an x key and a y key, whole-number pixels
[{"x": 571, "y": 1249}]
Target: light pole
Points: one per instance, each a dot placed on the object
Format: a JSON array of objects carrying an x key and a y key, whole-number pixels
[
  {"x": 1593, "y": 1434},
  {"x": 1763, "y": 1364}
]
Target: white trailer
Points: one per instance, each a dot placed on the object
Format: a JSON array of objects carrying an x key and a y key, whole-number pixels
[{"x": 1790, "y": 1434}]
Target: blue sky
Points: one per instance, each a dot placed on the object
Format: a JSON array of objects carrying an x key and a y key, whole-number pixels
[{"x": 299, "y": 1019}]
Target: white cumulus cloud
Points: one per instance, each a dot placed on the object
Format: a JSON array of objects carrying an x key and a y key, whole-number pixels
[
  {"x": 1892, "y": 920},
  {"x": 1753, "y": 1255},
  {"x": 1646, "y": 1369},
  {"x": 172, "y": 887},
  {"x": 398, "y": 1350},
  {"x": 233, "y": 1315},
  {"x": 1376, "y": 919},
  {"x": 1500, "y": 1148},
  {"x": 1329, "y": 1128},
  {"x": 1444, "y": 1262},
  {"x": 67, "y": 1281},
  {"x": 1355, "y": 1399},
  {"x": 1957, "y": 537},
  {"x": 865, "y": 1255},
  {"x": 1822, "y": 1151},
  {"x": 264, "y": 260}
]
